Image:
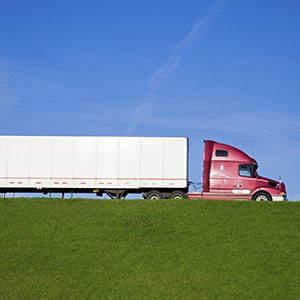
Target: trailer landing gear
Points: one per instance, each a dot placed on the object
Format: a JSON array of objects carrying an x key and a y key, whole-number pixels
[{"x": 116, "y": 194}]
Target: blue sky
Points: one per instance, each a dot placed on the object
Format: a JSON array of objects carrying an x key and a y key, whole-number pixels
[{"x": 223, "y": 70}]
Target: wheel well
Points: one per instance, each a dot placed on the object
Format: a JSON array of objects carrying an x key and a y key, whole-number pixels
[{"x": 261, "y": 192}]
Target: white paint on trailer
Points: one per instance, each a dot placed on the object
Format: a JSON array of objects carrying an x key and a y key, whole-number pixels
[
  {"x": 40, "y": 171},
  {"x": 3, "y": 162},
  {"x": 152, "y": 168},
  {"x": 129, "y": 162},
  {"x": 93, "y": 162},
  {"x": 62, "y": 162},
  {"x": 174, "y": 165},
  {"x": 18, "y": 162},
  {"x": 84, "y": 162},
  {"x": 107, "y": 162}
]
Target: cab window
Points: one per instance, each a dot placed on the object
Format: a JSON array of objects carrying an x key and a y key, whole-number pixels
[
  {"x": 245, "y": 170},
  {"x": 222, "y": 153}
]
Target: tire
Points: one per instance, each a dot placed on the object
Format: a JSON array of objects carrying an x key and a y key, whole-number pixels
[
  {"x": 262, "y": 196},
  {"x": 178, "y": 195},
  {"x": 154, "y": 195}
]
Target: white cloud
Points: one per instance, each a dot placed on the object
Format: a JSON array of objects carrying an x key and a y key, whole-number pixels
[{"x": 199, "y": 29}]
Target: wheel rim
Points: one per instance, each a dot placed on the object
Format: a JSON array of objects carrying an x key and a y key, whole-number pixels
[
  {"x": 262, "y": 198},
  {"x": 177, "y": 197},
  {"x": 154, "y": 197}
]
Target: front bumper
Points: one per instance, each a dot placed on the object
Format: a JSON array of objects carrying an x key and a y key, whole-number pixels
[{"x": 279, "y": 198}]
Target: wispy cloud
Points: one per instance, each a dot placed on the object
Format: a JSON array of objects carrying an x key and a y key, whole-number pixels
[{"x": 198, "y": 31}]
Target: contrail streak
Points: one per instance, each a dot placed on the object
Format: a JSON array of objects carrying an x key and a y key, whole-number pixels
[{"x": 199, "y": 29}]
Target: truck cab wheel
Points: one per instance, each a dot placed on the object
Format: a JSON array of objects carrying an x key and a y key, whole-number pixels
[
  {"x": 178, "y": 195},
  {"x": 154, "y": 195},
  {"x": 262, "y": 196}
]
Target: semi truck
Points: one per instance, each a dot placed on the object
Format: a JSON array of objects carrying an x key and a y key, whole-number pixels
[{"x": 156, "y": 167}]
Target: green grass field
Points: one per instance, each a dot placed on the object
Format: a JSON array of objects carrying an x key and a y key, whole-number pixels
[{"x": 167, "y": 249}]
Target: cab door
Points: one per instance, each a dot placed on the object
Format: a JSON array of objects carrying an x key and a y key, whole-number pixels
[{"x": 246, "y": 182}]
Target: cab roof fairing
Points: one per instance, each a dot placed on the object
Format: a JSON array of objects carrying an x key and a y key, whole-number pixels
[{"x": 234, "y": 154}]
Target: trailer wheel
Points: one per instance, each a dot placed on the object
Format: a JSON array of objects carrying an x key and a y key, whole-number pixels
[
  {"x": 154, "y": 195},
  {"x": 262, "y": 196},
  {"x": 178, "y": 195}
]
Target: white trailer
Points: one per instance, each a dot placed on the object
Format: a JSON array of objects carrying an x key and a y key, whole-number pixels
[{"x": 156, "y": 166}]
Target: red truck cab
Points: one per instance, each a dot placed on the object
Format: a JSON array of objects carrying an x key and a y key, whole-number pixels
[{"x": 230, "y": 174}]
